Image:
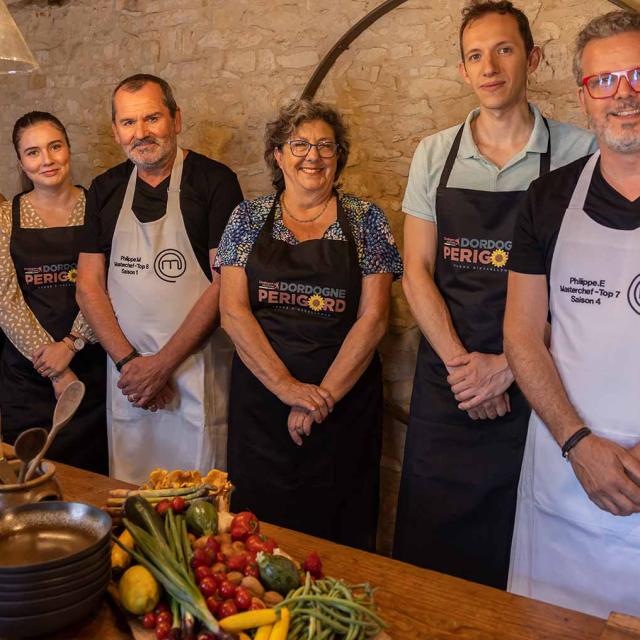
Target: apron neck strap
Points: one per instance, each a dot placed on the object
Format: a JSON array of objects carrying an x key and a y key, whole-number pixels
[
  {"x": 582, "y": 186},
  {"x": 451, "y": 158},
  {"x": 545, "y": 158},
  {"x": 173, "y": 192},
  {"x": 15, "y": 212}
]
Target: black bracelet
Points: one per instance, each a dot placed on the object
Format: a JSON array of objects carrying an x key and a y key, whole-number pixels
[
  {"x": 131, "y": 356},
  {"x": 581, "y": 433}
]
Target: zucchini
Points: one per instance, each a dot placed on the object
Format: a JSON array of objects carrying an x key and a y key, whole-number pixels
[{"x": 142, "y": 514}]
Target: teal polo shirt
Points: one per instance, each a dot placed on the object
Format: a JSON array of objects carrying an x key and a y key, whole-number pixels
[{"x": 471, "y": 170}]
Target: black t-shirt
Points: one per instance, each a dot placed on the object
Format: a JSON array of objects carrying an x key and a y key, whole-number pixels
[
  {"x": 543, "y": 209},
  {"x": 209, "y": 192}
]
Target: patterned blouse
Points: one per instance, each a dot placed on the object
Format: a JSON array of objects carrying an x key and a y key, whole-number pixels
[
  {"x": 17, "y": 321},
  {"x": 376, "y": 247}
]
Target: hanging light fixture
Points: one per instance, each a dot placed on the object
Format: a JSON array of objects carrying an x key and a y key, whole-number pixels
[{"x": 15, "y": 56}]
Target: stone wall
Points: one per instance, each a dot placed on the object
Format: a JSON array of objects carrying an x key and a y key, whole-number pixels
[{"x": 232, "y": 63}]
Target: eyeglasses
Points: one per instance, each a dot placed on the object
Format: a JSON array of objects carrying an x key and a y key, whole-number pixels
[
  {"x": 605, "y": 85},
  {"x": 326, "y": 148}
]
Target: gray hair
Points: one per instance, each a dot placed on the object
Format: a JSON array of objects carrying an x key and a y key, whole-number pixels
[
  {"x": 134, "y": 83},
  {"x": 610, "y": 24},
  {"x": 289, "y": 118}
]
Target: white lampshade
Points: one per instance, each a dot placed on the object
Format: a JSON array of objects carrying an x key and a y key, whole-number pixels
[{"x": 15, "y": 56}]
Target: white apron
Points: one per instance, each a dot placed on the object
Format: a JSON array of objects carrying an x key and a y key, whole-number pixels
[
  {"x": 565, "y": 549},
  {"x": 154, "y": 279}
]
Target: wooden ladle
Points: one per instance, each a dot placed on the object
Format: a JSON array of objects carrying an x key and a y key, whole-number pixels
[{"x": 67, "y": 405}]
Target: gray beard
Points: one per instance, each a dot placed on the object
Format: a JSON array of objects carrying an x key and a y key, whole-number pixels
[{"x": 626, "y": 142}]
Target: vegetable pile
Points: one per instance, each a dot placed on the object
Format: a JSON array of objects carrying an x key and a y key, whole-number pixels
[{"x": 223, "y": 579}]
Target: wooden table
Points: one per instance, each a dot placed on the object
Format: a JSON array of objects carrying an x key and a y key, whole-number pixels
[{"x": 416, "y": 603}]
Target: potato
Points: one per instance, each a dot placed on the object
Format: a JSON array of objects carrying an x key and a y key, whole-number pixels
[
  {"x": 253, "y": 585},
  {"x": 272, "y": 598},
  {"x": 235, "y": 577}
]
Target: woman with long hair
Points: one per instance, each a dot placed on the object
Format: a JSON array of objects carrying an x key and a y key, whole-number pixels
[{"x": 48, "y": 342}]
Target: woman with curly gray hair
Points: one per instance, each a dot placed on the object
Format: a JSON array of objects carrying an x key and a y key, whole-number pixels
[{"x": 306, "y": 279}]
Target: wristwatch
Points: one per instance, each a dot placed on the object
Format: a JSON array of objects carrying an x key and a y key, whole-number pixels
[{"x": 76, "y": 342}]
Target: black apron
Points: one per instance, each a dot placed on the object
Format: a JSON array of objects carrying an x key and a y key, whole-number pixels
[
  {"x": 457, "y": 501},
  {"x": 305, "y": 297},
  {"x": 45, "y": 261}
]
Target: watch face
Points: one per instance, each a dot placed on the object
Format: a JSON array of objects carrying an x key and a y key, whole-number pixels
[{"x": 78, "y": 344}]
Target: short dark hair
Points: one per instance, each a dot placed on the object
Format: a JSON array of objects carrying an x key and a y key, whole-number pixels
[
  {"x": 29, "y": 120},
  {"x": 289, "y": 118},
  {"x": 479, "y": 8},
  {"x": 610, "y": 24},
  {"x": 136, "y": 82}
]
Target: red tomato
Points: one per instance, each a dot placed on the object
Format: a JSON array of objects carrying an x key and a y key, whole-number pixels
[
  {"x": 259, "y": 542},
  {"x": 237, "y": 562},
  {"x": 313, "y": 565},
  {"x": 178, "y": 504},
  {"x": 242, "y": 598},
  {"x": 227, "y": 608},
  {"x": 213, "y": 604},
  {"x": 213, "y": 545},
  {"x": 163, "y": 506},
  {"x": 220, "y": 557},
  {"x": 163, "y": 631},
  {"x": 252, "y": 570},
  {"x": 227, "y": 589},
  {"x": 202, "y": 556},
  {"x": 208, "y": 586},
  {"x": 164, "y": 617},
  {"x": 202, "y": 571},
  {"x": 243, "y": 525},
  {"x": 149, "y": 620}
]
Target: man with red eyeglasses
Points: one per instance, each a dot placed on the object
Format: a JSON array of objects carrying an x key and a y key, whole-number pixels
[{"x": 576, "y": 257}]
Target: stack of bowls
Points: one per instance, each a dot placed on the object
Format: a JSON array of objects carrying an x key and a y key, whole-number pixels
[{"x": 55, "y": 565}]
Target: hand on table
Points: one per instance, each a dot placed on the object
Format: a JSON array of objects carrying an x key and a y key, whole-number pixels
[
  {"x": 492, "y": 408},
  {"x": 477, "y": 377},
  {"x": 299, "y": 422},
  {"x": 604, "y": 469},
  {"x": 52, "y": 359},
  {"x": 144, "y": 380},
  {"x": 311, "y": 397},
  {"x": 61, "y": 381}
]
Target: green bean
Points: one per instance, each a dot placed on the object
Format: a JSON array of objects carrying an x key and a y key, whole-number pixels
[{"x": 328, "y": 621}]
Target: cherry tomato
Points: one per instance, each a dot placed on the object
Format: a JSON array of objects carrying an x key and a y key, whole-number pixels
[
  {"x": 208, "y": 586},
  {"x": 161, "y": 606},
  {"x": 227, "y": 589},
  {"x": 313, "y": 565},
  {"x": 178, "y": 504},
  {"x": 163, "y": 631},
  {"x": 202, "y": 571},
  {"x": 252, "y": 570},
  {"x": 242, "y": 598},
  {"x": 163, "y": 506},
  {"x": 164, "y": 616},
  {"x": 220, "y": 557},
  {"x": 213, "y": 604},
  {"x": 237, "y": 562},
  {"x": 149, "y": 620},
  {"x": 201, "y": 556},
  {"x": 213, "y": 545},
  {"x": 219, "y": 577},
  {"x": 227, "y": 608}
]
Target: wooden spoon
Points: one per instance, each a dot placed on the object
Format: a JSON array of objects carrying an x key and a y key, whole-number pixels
[
  {"x": 67, "y": 405},
  {"x": 28, "y": 445}
]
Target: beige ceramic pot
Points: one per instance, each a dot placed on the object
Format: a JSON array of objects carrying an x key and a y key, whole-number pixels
[{"x": 41, "y": 487}]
